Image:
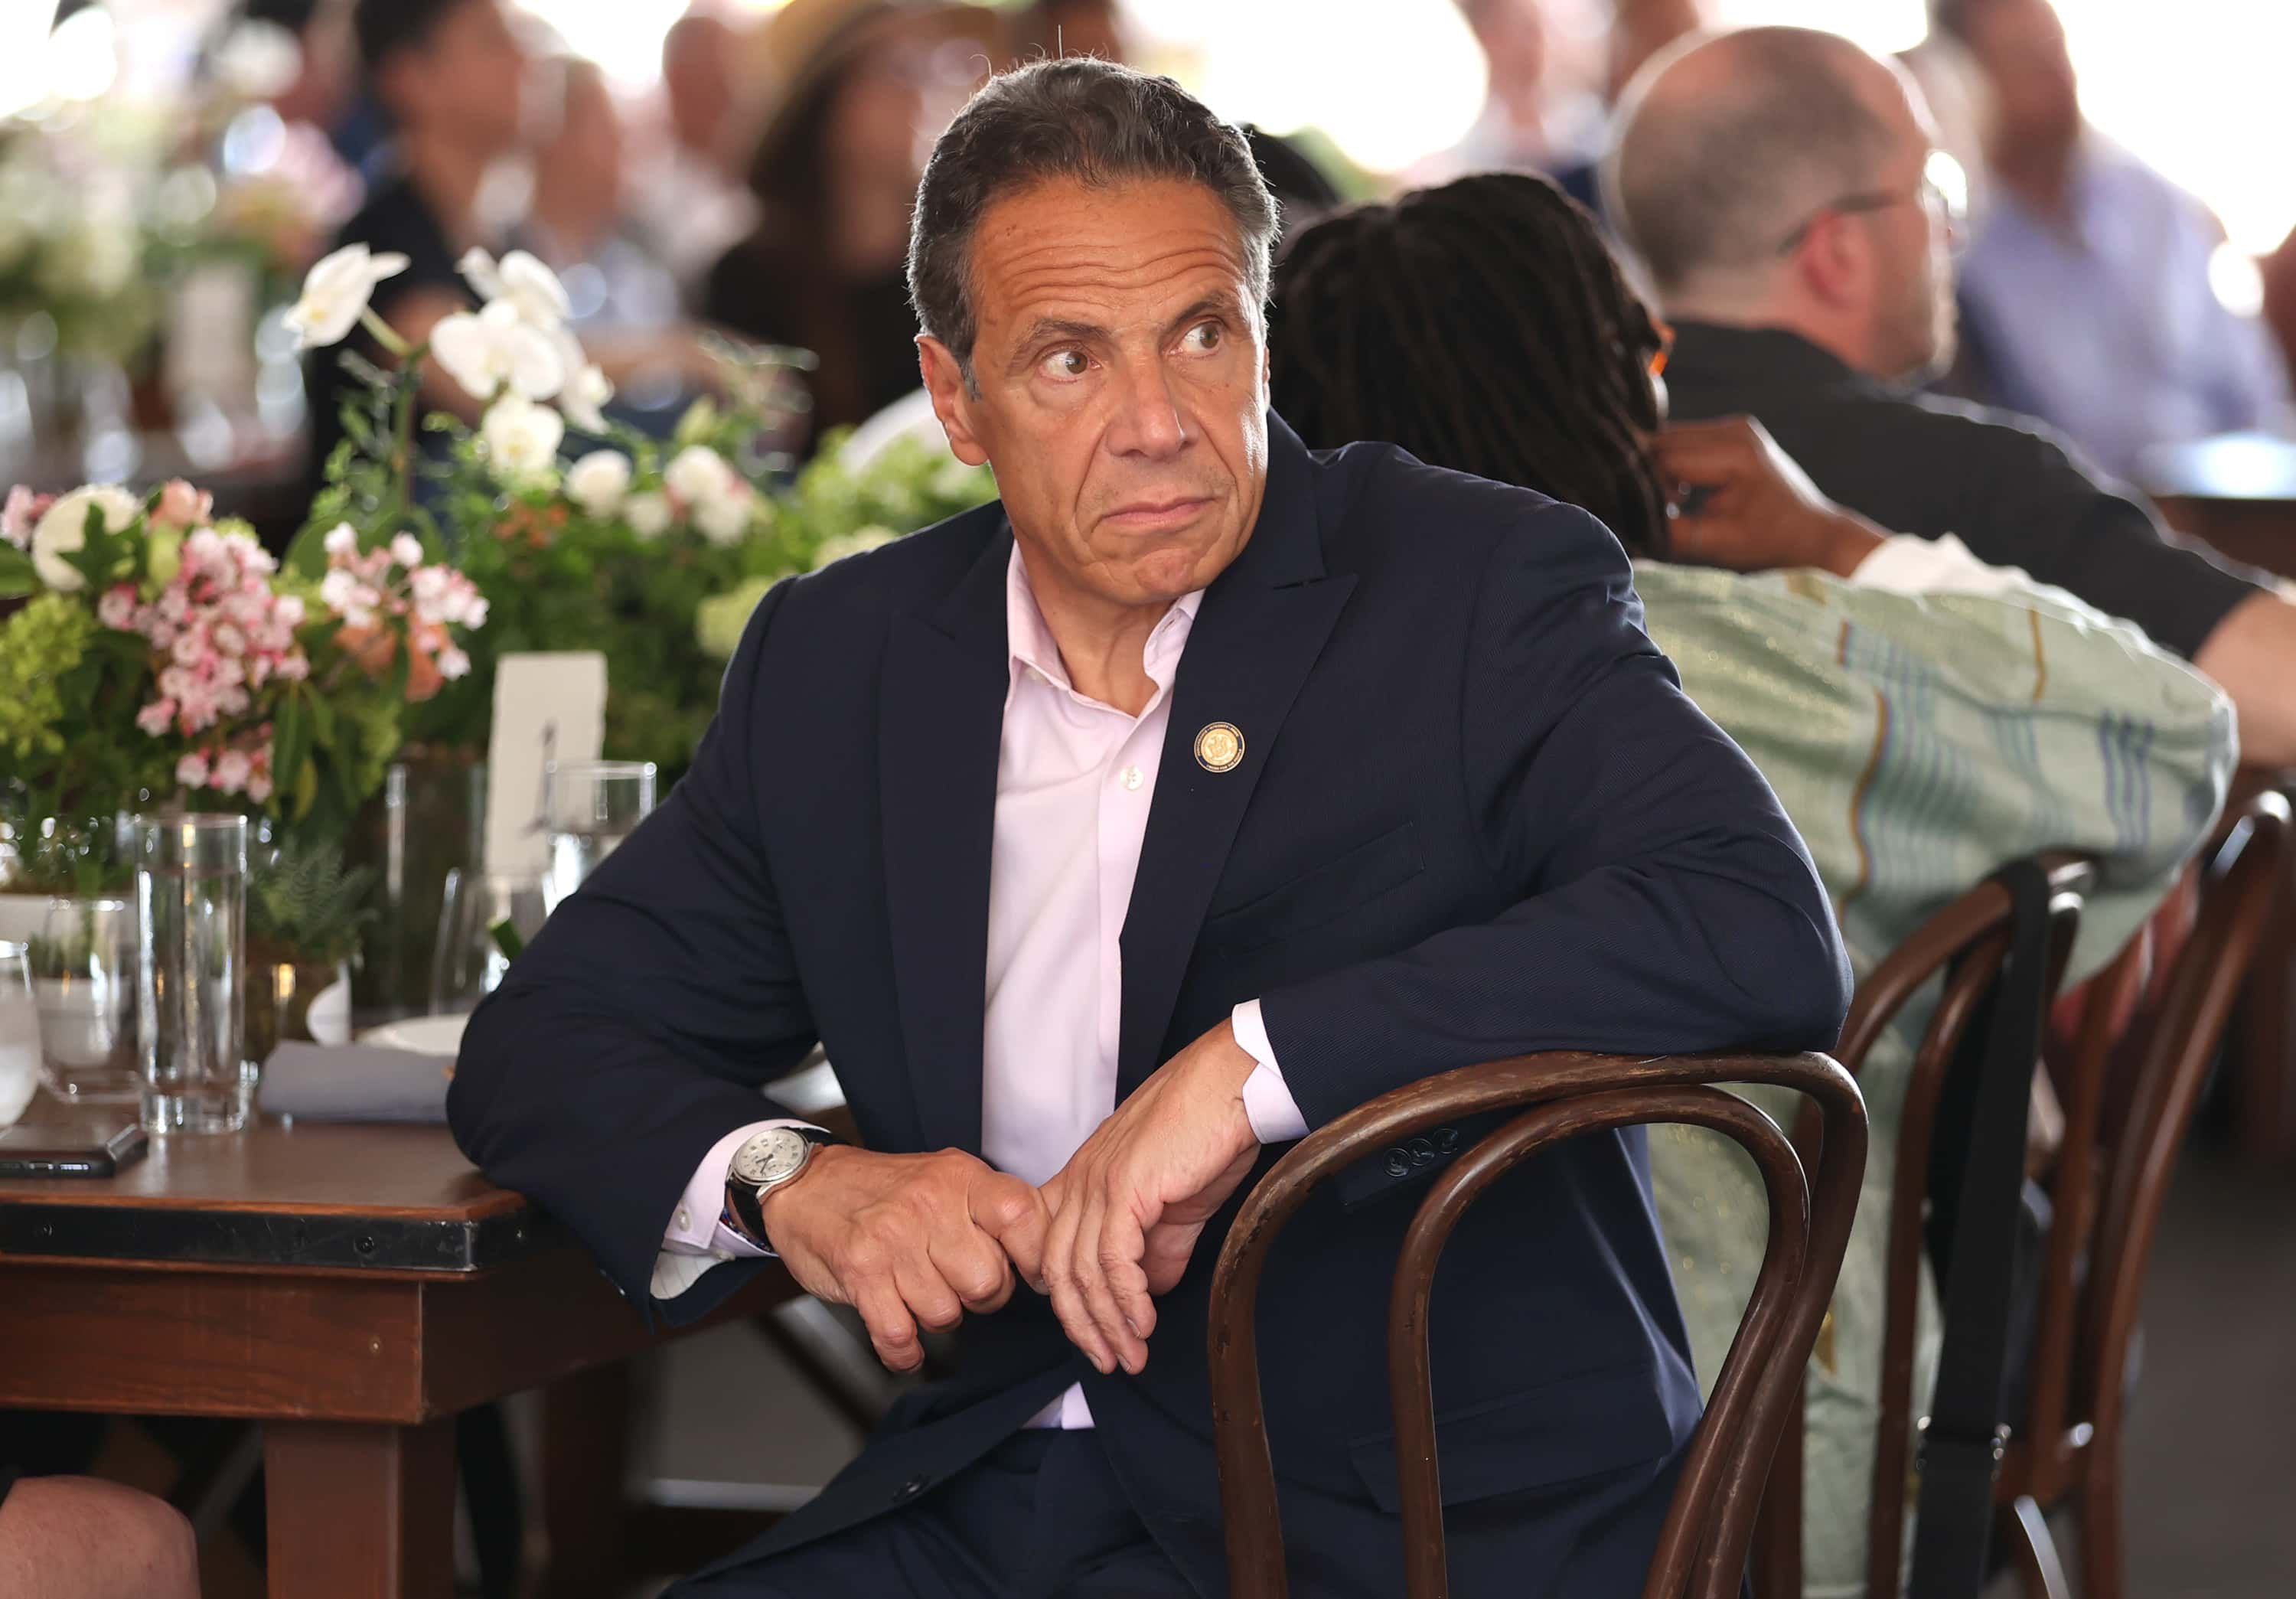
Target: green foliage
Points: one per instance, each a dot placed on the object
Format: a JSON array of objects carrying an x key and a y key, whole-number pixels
[
  {"x": 62, "y": 676},
  {"x": 303, "y": 905},
  {"x": 558, "y": 575}
]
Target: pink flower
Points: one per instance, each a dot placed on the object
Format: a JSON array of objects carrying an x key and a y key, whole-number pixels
[
  {"x": 406, "y": 550},
  {"x": 232, "y": 768},
  {"x": 258, "y": 787},
  {"x": 154, "y": 717},
  {"x": 181, "y": 505},
  {"x": 192, "y": 771},
  {"x": 229, "y": 639},
  {"x": 293, "y": 669},
  {"x": 23, "y": 508},
  {"x": 288, "y": 613},
  {"x": 342, "y": 541},
  {"x": 454, "y": 663},
  {"x": 189, "y": 650},
  {"x": 117, "y": 609}
]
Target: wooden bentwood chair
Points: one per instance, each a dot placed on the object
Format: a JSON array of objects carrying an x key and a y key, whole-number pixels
[
  {"x": 2124, "y": 1129},
  {"x": 1966, "y": 945},
  {"x": 1702, "y": 1549}
]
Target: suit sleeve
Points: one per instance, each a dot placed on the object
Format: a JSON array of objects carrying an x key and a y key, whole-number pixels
[
  {"x": 638, "y": 1028},
  {"x": 1663, "y": 902},
  {"x": 2038, "y": 507}
]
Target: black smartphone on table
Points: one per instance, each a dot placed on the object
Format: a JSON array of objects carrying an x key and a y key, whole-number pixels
[{"x": 85, "y": 1150}]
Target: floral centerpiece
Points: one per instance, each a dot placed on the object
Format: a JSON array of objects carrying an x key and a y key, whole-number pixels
[
  {"x": 71, "y": 252},
  {"x": 615, "y": 546},
  {"x": 160, "y": 658}
]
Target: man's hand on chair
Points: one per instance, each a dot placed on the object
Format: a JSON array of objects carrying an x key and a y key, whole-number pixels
[
  {"x": 906, "y": 1239},
  {"x": 1129, "y": 1207}
]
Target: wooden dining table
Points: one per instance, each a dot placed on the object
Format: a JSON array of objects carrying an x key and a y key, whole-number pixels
[{"x": 351, "y": 1288}]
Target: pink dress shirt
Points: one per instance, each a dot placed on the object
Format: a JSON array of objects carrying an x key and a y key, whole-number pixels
[{"x": 1074, "y": 781}]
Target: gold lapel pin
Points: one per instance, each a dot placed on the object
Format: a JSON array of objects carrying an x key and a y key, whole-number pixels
[{"x": 1220, "y": 748}]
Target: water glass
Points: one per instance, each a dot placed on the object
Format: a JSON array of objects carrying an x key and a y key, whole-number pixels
[
  {"x": 82, "y": 972},
  {"x": 590, "y": 807},
  {"x": 20, "y": 1035},
  {"x": 191, "y": 890},
  {"x": 487, "y": 917}
]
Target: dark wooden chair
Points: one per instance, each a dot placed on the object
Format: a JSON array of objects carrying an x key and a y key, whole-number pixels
[
  {"x": 1702, "y": 1548},
  {"x": 2127, "y": 1114},
  {"x": 1965, "y": 945}
]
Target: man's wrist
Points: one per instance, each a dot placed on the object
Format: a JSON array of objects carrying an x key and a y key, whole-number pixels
[
  {"x": 1851, "y": 539},
  {"x": 775, "y": 1202}
]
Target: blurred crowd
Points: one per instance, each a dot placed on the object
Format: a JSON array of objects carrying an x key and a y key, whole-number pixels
[{"x": 763, "y": 188}]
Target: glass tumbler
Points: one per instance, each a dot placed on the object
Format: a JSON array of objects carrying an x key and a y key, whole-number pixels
[
  {"x": 20, "y": 1035},
  {"x": 191, "y": 890},
  {"x": 83, "y": 969},
  {"x": 590, "y": 807}
]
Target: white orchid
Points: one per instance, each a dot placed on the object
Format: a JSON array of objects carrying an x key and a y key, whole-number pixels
[
  {"x": 493, "y": 351},
  {"x": 648, "y": 514},
  {"x": 521, "y": 282},
  {"x": 62, "y": 530},
  {"x": 697, "y": 473},
  {"x": 598, "y": 481},
  {"x": 521, "y": 438},
  {"x": 725, "y": 518},
  {"x": 336, "y": 293},
  {"x": 584, "y": 399}
]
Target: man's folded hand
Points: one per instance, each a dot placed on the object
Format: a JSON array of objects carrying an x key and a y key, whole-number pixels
[
  {"x": 908, "y": 1241},
  {"x": 1129, "y": 1207}
]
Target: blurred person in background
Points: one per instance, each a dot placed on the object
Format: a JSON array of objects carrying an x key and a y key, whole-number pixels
[
  {"x": 1073, "y": 28},
  {"x": 1875, "y": 702},
  {"x": 861, "y": 87},
  {"x": 2087, "y": 293},
  {"x": 449, "y": 75},
  {"x": 1780, "y": 187},
  {"x": 1640, "y": 28},
  {"x": 693, "y": 203}
]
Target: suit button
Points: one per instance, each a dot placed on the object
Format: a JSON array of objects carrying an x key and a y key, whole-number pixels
[
  {"x": 1398, "y": 1163},
  {"x": 910, "y": 1489}
]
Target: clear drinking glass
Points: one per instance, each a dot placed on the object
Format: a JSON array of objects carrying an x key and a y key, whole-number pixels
[
  {"x": 487, "y": 917},
  {"x": 590, "y": 807},
  {"x": 83, "y": 970},
  {"x": 20, "y": 1035},
  {"x": 191, "y": 889}
]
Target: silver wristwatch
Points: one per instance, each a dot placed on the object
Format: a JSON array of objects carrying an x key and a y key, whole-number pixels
[{"x": 766, "y": 1161}]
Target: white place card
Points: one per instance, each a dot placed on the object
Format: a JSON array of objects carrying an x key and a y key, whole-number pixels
[{"x": 547, "y": 707}]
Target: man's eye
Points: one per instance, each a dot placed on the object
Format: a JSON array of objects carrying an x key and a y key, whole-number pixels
[
  {"x": 1065, "y": 366},
  {"x": 1201, "y": 339}
]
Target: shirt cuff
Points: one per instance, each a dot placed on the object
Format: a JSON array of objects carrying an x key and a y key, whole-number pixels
[
  {"x": 697, "y": 1237},
  {"x": 1275, "y": 1115},
  {"x": 1907, "y": 563}
]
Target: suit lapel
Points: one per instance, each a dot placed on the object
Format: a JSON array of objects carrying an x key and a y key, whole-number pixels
[
  {"x": 946, "y": 672},
  {"x": 1258, "y": 632}
]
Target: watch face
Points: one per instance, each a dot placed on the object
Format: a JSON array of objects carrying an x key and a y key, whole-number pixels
[{"x": 773, "y": 1156}]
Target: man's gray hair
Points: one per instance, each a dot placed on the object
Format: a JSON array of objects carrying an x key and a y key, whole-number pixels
[
  {"x": 1715, "y": 182},
  {"x": 1077, "y": 119}
]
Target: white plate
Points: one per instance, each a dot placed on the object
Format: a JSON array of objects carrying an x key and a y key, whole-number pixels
[{"x": 424, "y": 1035}]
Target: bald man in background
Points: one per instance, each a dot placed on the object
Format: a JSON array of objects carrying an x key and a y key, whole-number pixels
[{"x": 1779, "y": 189}]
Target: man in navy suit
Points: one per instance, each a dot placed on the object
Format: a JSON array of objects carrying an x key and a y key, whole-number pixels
[{"x": 1109, "y": 839}]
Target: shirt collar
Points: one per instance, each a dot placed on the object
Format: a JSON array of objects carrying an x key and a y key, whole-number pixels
[
  {"x": 1718, "y": 354},
  {"x": 1033, "y": 648}
]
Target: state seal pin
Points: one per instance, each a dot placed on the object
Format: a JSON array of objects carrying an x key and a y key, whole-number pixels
[{"x": 1220, "y": 748}]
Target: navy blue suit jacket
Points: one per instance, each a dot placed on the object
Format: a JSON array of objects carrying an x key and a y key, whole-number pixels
[{"x": 1476, "y": 816}]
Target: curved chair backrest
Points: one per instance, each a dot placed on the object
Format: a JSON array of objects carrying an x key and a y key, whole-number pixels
[
  {"x": 1703, "y": 1547},
  {"x": 1967, "y": 944},
  {"x": 2123, "y": 1132}
]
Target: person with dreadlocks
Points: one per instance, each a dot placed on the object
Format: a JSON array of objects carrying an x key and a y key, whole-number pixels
[{"x": 1919, "y": 740}]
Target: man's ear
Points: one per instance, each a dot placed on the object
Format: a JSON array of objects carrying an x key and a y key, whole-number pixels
[
  {"x": 951, "y": 400},
  {"x": 1835, "y": 262}
]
